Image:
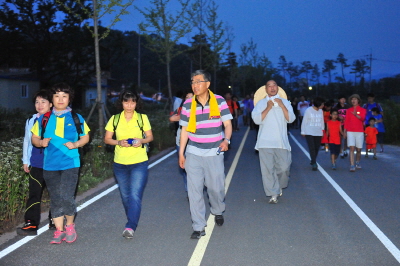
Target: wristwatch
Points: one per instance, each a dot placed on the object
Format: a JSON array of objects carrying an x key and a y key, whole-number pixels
[{"x": 229, "y": 142}]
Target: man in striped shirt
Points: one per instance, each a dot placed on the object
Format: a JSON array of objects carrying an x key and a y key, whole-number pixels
[{"x": 201, "y": 120}]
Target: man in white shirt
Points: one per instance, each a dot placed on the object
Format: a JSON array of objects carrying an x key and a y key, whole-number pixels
[
  {"x": 272, "y": 114},
  {"x": 302, "y": 106}
]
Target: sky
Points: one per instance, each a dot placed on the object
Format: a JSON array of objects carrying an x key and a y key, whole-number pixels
[{"x": 307, "y": 30}]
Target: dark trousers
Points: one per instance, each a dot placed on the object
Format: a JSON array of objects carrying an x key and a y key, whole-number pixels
[
  {"x": 314, "y": 143},
  {"x": 36, "y": 186}
]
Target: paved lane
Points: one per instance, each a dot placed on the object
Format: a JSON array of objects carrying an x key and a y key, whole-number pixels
[{"x": 311, "y": 225}]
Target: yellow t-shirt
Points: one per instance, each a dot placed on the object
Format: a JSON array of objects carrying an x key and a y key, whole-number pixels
[{"x": 126, "y": 130}]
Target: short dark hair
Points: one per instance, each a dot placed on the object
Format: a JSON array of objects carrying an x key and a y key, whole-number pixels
[
  {"x": 318, "y": 101},
  {"x": 63, "y": 87},
  {"x": 376, "y": 110},
  {"x": 371, "y": 118},
  {"x": 371, "y": 95},
  {"x": 127, "y": 95},
  {"x": 205, "y": 74},
  {"x": 45, "y": 94},
  {"x": 334, "y": 111},
  {"x": 341, "y": 96}
]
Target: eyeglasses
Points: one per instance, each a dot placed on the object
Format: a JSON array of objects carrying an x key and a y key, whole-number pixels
[{"x": 197, "y": 82}]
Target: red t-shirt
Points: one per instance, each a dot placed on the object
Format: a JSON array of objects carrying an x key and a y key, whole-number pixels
[
  {"x": 327, "y": 116},
  {"x": 334, "y": 131},
  {"x": 352, "y": 123},
  {"x": 370, "y": 135},
  {"x": 232, "y": 105}
]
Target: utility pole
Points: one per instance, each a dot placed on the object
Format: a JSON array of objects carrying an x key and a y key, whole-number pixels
[
  {"x": 139, "y": 60},
  {"x": 369, "y": 57}
]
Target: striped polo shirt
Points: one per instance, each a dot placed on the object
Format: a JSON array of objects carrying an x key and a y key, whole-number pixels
[{"x": 209, "y": 132}]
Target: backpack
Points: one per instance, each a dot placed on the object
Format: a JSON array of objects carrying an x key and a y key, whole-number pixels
[{"x": 116, "y": 121}]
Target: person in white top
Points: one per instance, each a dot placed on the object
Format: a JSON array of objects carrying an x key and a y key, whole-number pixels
[
  {"x": 273, "y": 113},
  {"x": 302, "y": 106},
  {"x": 311, "y": 128}
]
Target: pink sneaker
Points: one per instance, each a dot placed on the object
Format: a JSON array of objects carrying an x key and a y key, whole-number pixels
[
  {"x": 70, "y": 233},
  {"x": 58, "y": 237}
]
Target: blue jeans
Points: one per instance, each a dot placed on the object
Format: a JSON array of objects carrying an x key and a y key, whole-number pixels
[{"x": 132, "y": 180}]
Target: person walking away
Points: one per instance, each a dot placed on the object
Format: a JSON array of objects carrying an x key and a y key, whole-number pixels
[
  {"x": 327, "y": 113},
  {"x": 202, "y": 118},
  {"x": 233, "y": 108},
  {"x": 354, "y": 130},
  {"x": 32, "y": 159},
  {"x": 301, "y": 108},
  {"x": 369, "y": 106},
  {"x": 132, "y": 131},
  {"x": 272, "y": 114},
  {"x": 294, "y": 104},
  {"x": 175, "y": 118},
  {"x": 371, "y": 133},
  {"x": 342, "y": 107},
  {"x": 334, "y": 132},
  {"x": 312, "y": 127},
  {"x": 63, "y": 132},
  {"x": 379, "y": 125}
]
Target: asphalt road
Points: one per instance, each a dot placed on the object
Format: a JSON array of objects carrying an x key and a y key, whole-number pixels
[{"x": 324, "y": 217}]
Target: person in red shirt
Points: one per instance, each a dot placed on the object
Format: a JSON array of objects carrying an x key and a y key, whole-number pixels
[
  {"x": 327, "y": 115},
  {"x": 371, "y": 133},
  {"x": 234, "y": 109},
  {"x": 354, "y": 130},
  {"x": 334, "y": 132}
]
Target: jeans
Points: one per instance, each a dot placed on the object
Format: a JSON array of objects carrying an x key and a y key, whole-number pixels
[
  {"x": 314, "y": 142},
  {"x": 132, "y": 180}
]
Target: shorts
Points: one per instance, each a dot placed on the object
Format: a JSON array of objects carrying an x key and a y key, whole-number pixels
[
  {"x": 381, "y": 137},
  {"x": 371, "y": 146},
  {"x": 355, "y": 139},
  {"x": 334, "y": 148}
]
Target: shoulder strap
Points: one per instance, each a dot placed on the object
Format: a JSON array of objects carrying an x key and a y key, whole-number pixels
[
  {"x": 78, "y": 123},
  {"x": 140, "y": 124},
  {"x": 45, "y": 120},
  {"x": 116, "y": 121}
]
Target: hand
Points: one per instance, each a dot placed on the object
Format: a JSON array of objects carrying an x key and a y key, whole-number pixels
[
  {"x": 270, "y": 104},
  {"x": 182, "y": 161},
  {"x": 45, "y": 142},
  {"x": 303, "y": 136},
  {"x": 279, "y": 102},
  {"x": 345, "y": 135},
  {"x": 124, "y": 143},
  {"x": 224, "y": 145},
  {"x": 70, "y": 145},
  {"x": 138, "y": 143},
  {"x": 26, "y": 168}
]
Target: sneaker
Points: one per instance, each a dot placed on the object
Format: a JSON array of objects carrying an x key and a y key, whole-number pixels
[
  {"x": 29, "y": 229},
  {"x": 366, "y": 155},
  {"x": 333, "y": 166},
  {"x": 58, "y": 237},
  {"x": 315, "y": 167},
  {"x": 128, "y": 233},
  {"x": 358, "y": 166},
  {"x": 273, "y": 199},
  {"x": 280, "y": 194},
  {"x": 352, "y": 168},
  {"x": 197, "y": 234},
  {"x": 342, "y": 156},
  {"x": 219, "y": 220},
  {"x": 345, "y": 154},
  {"x": 52, "y": 226},
  {"x": 70, "y": 233},
  {"x": 375, "y": 158}
]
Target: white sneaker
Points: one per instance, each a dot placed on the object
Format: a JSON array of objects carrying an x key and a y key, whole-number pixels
[
  {"x": 273, "y": 199},
  {"x": 128, "y": 233}
]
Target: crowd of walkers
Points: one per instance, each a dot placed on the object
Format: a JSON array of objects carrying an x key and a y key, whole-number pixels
[{"x": 204, "y": 124}]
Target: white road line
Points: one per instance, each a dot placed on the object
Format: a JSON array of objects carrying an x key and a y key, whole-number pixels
[
  {"x": 26, "y": 239},
  {"x": 377, "y": 232},
  {"x": 202, "y": 243}
]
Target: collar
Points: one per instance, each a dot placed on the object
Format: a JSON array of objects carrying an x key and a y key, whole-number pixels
[{"x": 208, "y": 99}]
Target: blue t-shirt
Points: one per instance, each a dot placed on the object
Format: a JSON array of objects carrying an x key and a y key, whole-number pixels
[
  {"x": 368, "y": 107},
  {"x": 61, "y": 129},
  {"x": 380, "y": 126}
]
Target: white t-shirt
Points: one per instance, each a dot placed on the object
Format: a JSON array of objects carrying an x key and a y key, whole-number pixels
[
  {"x": 302, "y": 107},
  {"x": 313, "y": 122}
]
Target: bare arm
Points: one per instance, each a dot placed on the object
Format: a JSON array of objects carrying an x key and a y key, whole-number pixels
[{"x": 182, "y": 146}]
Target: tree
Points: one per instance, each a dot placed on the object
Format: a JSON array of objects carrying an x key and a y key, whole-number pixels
[
  {"x": 293, "y": 72},
  {"x": 97, "y": 10},
  {"x": 342, "y": 61},
  {"x": 328, "y": 67},
  {"x": 282, "y": 65},
  {"x": 359, "y": 69},
  {"x": 217, "y": 38},
  {"x": 163, "y": 30},
  {"x": 315, "y": 74},
  {"x": 306, "y": 67}
]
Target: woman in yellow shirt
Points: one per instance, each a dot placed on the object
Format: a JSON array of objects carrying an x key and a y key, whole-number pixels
[{"x": 132, "y": 131}]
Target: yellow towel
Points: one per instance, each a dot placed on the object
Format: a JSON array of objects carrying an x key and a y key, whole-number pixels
[{"x": 214, "y": 112}]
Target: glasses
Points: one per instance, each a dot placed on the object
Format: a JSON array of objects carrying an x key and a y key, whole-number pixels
[{"x": 197, "y": 82}]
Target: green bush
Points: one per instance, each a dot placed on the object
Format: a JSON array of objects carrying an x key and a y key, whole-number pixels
[{"x": 391, "y": 120}]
